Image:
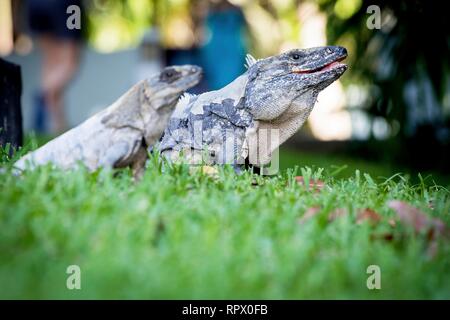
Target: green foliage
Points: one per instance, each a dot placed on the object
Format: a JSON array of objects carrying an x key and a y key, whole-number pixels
[
  {"x": 404, "y": 65},
  {"x": 179, "y": 234},
  {"x": 114, "y": 25}
]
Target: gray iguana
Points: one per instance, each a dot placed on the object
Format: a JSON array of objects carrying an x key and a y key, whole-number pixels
[
  {"x": 119, "y": 135},
  {"x": 228, "y": 126}
]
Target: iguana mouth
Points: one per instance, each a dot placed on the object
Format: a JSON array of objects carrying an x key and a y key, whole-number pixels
[{"x": 329, "y": 66}]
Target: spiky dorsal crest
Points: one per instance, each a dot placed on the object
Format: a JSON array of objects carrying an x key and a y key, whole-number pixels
[
  {"x": 184, "y": 99},
  {"x": 182, "y": 103},
  {"x": 249, "y": 60}
]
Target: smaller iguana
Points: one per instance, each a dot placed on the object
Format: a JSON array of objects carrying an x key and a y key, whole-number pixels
[{"x": 119, "y": 135}]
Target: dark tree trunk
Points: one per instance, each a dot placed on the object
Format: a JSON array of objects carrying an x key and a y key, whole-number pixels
[{"x": 10, "y": 106}]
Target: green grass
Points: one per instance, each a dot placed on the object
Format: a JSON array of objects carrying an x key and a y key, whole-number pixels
[
  {"x": 344, "y": 166},
  {"x": 178, "y": 234}
]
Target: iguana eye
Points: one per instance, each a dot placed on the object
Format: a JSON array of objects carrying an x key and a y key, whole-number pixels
[
  {"x": 169, "y": 75},
  {"x": 295, "y": 56}
]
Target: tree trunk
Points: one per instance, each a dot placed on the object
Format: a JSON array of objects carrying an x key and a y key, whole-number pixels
[{"x": 10, "y": 106}]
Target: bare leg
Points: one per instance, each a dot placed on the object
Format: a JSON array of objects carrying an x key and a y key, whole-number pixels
[{"x": 60, "y": 62}]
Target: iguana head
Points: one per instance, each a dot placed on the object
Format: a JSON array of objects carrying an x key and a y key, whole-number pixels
[
  {"x": 161, "y": 94},
  {"x": 292, "y": 78},
  {"x": 168, "y": 85}
]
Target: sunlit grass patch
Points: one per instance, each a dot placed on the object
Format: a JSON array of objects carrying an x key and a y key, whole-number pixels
[{"x": 180, "y": 233}]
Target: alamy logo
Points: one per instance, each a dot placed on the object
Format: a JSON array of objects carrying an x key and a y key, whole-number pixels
[
  {"x": 74, "y": 20},
  {"x": 74, "y": 279},
  {"x": 374, "y": 20},
  {"x": 374, "y": 280}
]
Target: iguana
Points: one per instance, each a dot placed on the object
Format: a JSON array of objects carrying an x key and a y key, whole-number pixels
[
  {"x": 119, "y": 135},
  {"x": 274, "y": 95}
]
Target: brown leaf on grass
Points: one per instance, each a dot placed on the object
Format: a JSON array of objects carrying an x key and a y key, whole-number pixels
[
  {"x": 374, "y": 218},
  {"x": 434, "y": 228},
  {"x": 369, "y": 215},
  {"x": 309, "y": 213},
  {"x": 363, "y": 214},
  {"x": 314, "y": 184},
  {"x": 409, "y": 215},
  {"x": 417, "y": 219}
]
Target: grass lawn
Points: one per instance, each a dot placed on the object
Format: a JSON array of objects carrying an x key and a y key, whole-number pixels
[{"x": 178, "y": 234}]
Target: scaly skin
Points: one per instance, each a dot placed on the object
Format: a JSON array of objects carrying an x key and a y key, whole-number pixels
[
  {"x": 119, "y": 135},
  {"x": 228, "y": 126}
]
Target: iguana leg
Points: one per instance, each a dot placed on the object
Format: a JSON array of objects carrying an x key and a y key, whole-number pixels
[
  {"x": 114, "y": 153},
  {"x": 138, "y": 165}
]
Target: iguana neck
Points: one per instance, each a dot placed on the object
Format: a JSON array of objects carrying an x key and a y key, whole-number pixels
[
  {"x": 126, "y": 111},
  {"x": 271, "y": 134}
]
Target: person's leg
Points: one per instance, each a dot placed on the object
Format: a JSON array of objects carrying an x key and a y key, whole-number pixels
[{"x": 59, "y": 65}]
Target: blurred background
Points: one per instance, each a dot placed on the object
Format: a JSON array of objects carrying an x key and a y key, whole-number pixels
[{"x": 389, "y": 112}]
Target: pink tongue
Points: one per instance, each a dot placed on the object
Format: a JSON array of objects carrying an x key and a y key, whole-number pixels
[{"x": 331, "y": 65}]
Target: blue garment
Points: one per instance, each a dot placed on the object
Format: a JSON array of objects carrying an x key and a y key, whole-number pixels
[{"x": 223, "y": 56}]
